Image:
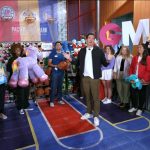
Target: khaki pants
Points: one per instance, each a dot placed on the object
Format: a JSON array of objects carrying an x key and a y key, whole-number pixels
[
  {"x": 123, "y": 89},
  {"x": 91, "y": 92}
]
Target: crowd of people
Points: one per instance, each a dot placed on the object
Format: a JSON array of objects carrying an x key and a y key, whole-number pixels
[{"x": 94, "y": 64}]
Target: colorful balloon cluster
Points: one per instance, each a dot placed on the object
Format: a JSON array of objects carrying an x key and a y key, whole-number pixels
[
  {"x": 77, "y": 45},
  {"x": 4, "y": 52}
]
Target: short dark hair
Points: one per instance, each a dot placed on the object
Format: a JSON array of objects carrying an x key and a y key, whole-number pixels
[
  {"x": 58, "y": 42},
  {"x": 89, "y": 35}
]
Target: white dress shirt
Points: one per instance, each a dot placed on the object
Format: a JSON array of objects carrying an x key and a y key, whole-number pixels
[{"x": 88, "y": 65}]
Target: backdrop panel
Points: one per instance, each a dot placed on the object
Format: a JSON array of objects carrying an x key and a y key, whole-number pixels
[{"x": 24, "y": 20}]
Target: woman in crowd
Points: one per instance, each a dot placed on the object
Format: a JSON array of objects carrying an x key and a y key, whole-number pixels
[
  {"x": 121, "y": 70},
  {"x": 22, "y": 93},
  {"x": 107, "y": 73},
  {"x": 141, "y": 67}
]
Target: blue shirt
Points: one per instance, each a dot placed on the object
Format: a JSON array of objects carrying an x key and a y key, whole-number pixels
[{"x": 56, "y": 59}]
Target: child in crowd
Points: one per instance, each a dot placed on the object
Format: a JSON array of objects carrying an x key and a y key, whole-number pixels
[{"x": 22, "y": 93}]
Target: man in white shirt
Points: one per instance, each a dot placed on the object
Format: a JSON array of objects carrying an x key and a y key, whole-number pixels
[{"x": 90, "y": 60}]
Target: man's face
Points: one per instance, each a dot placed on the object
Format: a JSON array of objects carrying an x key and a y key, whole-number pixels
[
  {"x": 90, "y": 40},
  {"x": 58, "y": 46}
]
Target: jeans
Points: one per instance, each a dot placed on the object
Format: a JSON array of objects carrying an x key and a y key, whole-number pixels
[{"x": 56, "y": 85}]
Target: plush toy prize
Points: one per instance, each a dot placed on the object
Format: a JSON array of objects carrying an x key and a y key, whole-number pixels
[
  {"x": 25, "y": 67},
  {"x": 136, "y": 82}
]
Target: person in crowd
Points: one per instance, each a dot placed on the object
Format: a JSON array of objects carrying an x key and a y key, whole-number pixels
[
  {"x": 90, "y": 60},
  {"x": 22, "y": 93},
  {"x": 15, "y": 53},
  {"x": 148, "y": 44},
  {"x": 141, "y": 67},
  {"x": 57, "y": 75},
  {"x": 115, "y": 95},
  {"x": 2, "y": 89},
  {"x": 107, "y": 73},
  {"x": 121, "y": 70}
]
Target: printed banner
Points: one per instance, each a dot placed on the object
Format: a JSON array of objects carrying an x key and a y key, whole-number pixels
[
  {"x": 9, "y": 18},
  {"x": 24, "y": 20},
  {"x": 29, "y": 20},
  {"x": 48, "y": 20}
]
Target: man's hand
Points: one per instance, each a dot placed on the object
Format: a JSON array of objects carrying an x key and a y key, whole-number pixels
[{"x": 67, "y": 56}]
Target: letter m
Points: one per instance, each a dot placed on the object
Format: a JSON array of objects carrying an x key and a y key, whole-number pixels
[{"x": 128, "y": 31}]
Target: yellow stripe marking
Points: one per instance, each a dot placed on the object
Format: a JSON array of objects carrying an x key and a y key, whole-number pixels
[
  {"x": 26, "y": 147},
  {"x": 128, "y": 120},
  {"x": 32, "y": 131},
  {"x": 33, "y": 135},
  {"x": 141, "y": 130}
]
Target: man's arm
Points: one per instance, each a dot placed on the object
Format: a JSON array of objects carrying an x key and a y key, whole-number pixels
[
  {"x": 103, "y": 59},
  {"x": 50, "y": 64}
]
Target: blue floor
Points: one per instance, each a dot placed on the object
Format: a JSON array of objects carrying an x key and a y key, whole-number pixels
[
  {"x": 127, "y": 132},
  {"x": 15, "y": 131}
]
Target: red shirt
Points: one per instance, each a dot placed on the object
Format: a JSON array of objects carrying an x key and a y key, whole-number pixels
[{"x": 143, "y": 70}]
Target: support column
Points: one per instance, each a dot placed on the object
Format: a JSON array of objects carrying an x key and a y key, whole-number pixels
[{"x": 97, "y": 18}]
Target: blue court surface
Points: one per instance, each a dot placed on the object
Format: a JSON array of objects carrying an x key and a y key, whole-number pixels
[{"x": 118, "y": 129}]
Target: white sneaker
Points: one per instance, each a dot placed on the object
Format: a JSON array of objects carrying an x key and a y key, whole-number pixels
[
  {"x": 86, "y": 116},
  {"x": 108, "y": 101},
  {"x": 81, "y": 97},
  {"x": 61, "y": 102},
  {"x": 103, "y": 100},
  {"x": 96, "y": 121},
  {"x": 21, "y": 112},
  {"x": 132, "y": 110},
  {"x": 51, "y": 104},
  {"x": 2, "y": 116},
  {"x": 139, "y": 112}
]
